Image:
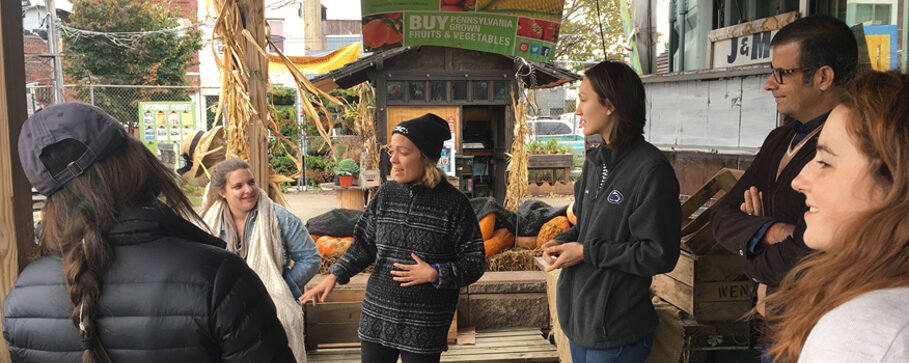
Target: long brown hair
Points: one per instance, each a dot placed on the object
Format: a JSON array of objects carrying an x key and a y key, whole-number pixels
[
  {"x": 78, "y": 218},
  {"x": 870, "y": 253},
  {"x": 219, "y": 180}
]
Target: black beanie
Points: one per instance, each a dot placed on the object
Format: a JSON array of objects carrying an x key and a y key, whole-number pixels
[{"x": 427, "y": 132}]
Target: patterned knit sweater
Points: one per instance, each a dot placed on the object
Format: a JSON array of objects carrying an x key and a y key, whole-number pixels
[{"x": 441, "y": 228}]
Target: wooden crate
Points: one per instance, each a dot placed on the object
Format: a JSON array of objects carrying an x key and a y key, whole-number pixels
[
  {"x": 708, "y": 282},
  {"x": 706, "y": 301},
  {"x": 696, "y": 234},
  {"x": 680, "y": 339}
]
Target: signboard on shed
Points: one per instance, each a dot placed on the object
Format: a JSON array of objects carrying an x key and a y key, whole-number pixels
[
  {"x": 745, "y": 44},
  {"x": 520, "y": 28}
]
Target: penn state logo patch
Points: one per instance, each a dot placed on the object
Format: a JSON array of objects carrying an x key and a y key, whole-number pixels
[{"x": 615, "y": 197}]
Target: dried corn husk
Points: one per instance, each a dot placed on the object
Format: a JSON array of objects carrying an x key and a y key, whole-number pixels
[{"x": 516, "y": 171}]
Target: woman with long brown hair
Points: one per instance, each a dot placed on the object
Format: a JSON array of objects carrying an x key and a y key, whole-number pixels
[
  {"x": 847, "y": 302},
  {"x": 123, "y": 276}
]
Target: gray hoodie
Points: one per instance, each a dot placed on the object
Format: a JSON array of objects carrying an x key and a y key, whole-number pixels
[{"x": 629, "y": 223}]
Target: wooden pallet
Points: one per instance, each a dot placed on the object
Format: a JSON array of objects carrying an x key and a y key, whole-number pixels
[{"x": 500, "y": 345}]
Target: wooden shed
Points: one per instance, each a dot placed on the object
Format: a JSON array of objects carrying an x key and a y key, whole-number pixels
[{"x": 471, "y": 89}]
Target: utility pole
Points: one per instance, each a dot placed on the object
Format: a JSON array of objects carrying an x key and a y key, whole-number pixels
[{"x": 54, "y": 43}]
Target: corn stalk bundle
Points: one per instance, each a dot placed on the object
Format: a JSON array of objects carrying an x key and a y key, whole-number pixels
[
  {"x": 517, "y": 186},
  {"x": 233, "y": 101},
  {"x": 365, "y": 125}
]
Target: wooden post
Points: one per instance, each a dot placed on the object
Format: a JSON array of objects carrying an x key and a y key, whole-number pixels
[
  {"x": 254, "y": 16},
  {"x": 16, "y": 228}
]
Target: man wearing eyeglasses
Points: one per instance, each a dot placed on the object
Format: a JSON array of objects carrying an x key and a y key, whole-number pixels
[{"x": 761, "y": 218}]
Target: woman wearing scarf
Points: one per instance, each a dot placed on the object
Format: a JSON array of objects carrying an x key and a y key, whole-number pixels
[{"x": 268, "y": 237}]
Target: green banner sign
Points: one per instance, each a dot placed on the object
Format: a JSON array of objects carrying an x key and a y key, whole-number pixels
[
  {"x": 164, "y": 125},
  {"x": 521, "y": 28}
]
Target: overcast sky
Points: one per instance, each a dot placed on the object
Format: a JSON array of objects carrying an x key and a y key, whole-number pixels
[{"x": 342, "y": 9}]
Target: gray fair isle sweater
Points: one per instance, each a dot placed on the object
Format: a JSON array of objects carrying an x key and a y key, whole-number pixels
[{"x": 438, "y": 225}]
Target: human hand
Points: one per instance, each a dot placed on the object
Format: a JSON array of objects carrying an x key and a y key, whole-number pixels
[
  {"x": 778, "y": 232},
  {"x": 550, "y": 258},
  {"x": 569, "y": 254},
  {"x": 761, "y": 299},
  {"x": 753, "y": 204},
  {"x": 419, "y": 273},
  {"x": 320, "y": 292}
]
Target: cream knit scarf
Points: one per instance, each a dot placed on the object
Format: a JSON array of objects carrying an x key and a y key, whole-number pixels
[{"x": 265, "y": 256}]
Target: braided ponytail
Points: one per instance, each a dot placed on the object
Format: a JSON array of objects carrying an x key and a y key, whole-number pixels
[{"x": 78, "y": 217}]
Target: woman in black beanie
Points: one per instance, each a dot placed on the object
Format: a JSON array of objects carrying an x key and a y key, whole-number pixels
[{"x": 424, "y": 239}]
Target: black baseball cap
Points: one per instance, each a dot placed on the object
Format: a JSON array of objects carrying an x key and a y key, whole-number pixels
[{"x": 88, "y": 125}]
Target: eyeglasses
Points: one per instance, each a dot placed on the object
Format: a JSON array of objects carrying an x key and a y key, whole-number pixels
[{"x": 778, "y": 73}]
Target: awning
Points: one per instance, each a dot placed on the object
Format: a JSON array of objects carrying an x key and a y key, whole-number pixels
[
  {"x": 316, "y": 65},
  {"x": 541, "y": 75}
]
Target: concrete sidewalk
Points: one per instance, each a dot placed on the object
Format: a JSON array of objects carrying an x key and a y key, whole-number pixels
[{"x": 308, "y": 204}]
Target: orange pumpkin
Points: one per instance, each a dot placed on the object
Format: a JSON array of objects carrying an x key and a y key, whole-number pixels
[
  {"x": 487, "y": 224},
  {"x": 571, "y": 217},
  {"x": 501, "y": 240},
  {"x": 315, "y": 237},
  {"x": 528, "y": 242},
  {"x": 551, "y": 229},
  {"x": 330, "y": 245}
]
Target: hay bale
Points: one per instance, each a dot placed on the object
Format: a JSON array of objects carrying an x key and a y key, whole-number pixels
[
  {"x": 329, "y": 260},
  {"x": 516, "y": 259}
]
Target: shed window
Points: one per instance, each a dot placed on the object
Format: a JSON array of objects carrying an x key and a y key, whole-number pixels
[
  {"x": 459, "y": 90},
  {"x": 437, "y": 90},
  {"x": 480, "y": 90},
  {"x": 416, "y": 90},
  {"x": 395, "y": 90}
]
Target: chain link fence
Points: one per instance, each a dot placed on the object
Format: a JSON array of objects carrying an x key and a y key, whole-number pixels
[{"x": 122, "y": 101}]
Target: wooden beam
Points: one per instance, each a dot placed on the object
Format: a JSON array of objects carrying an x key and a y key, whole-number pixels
[
  {"x": 253, "y": 12},
  {"x": 16, "y": 228}
]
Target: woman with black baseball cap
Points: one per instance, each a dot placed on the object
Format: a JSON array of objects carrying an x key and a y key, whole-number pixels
[
  {"x": 424, "y": 239},
  {"x": 123, "y": 276}
]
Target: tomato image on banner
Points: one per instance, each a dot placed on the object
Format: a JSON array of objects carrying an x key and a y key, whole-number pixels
[{"x": 383, "y": 31}]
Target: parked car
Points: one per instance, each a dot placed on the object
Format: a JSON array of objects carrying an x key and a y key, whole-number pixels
[{"x": 564, "y": 130}]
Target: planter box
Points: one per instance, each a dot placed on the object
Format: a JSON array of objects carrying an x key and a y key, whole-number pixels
[
  {"x": 552, "y": 162},
  {"x": 549, "y": 161}
]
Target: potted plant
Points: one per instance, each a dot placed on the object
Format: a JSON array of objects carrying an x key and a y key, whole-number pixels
[{"x": 345, "y": 170}]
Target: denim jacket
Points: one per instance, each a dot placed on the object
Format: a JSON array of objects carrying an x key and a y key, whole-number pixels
[{"x": 298, "y": 246}]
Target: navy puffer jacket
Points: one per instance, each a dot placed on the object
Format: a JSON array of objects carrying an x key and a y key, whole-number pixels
[{"x": 171, "y": 295}]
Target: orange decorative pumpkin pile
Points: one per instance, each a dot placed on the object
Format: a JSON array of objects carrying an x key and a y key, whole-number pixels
[
  {"x": 501, "y": 240},
  {"x": 551, "y": 229},
  {"x": 571, "y": 217},
  {"x": 487, "y": 225},
  {"x": 330, "y": 245}
]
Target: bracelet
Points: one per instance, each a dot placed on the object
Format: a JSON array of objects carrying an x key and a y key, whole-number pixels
[{"x": 438, "y": 275}]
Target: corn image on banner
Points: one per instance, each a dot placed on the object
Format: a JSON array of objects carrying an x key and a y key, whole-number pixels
[{"x": 522, "y": 28}]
